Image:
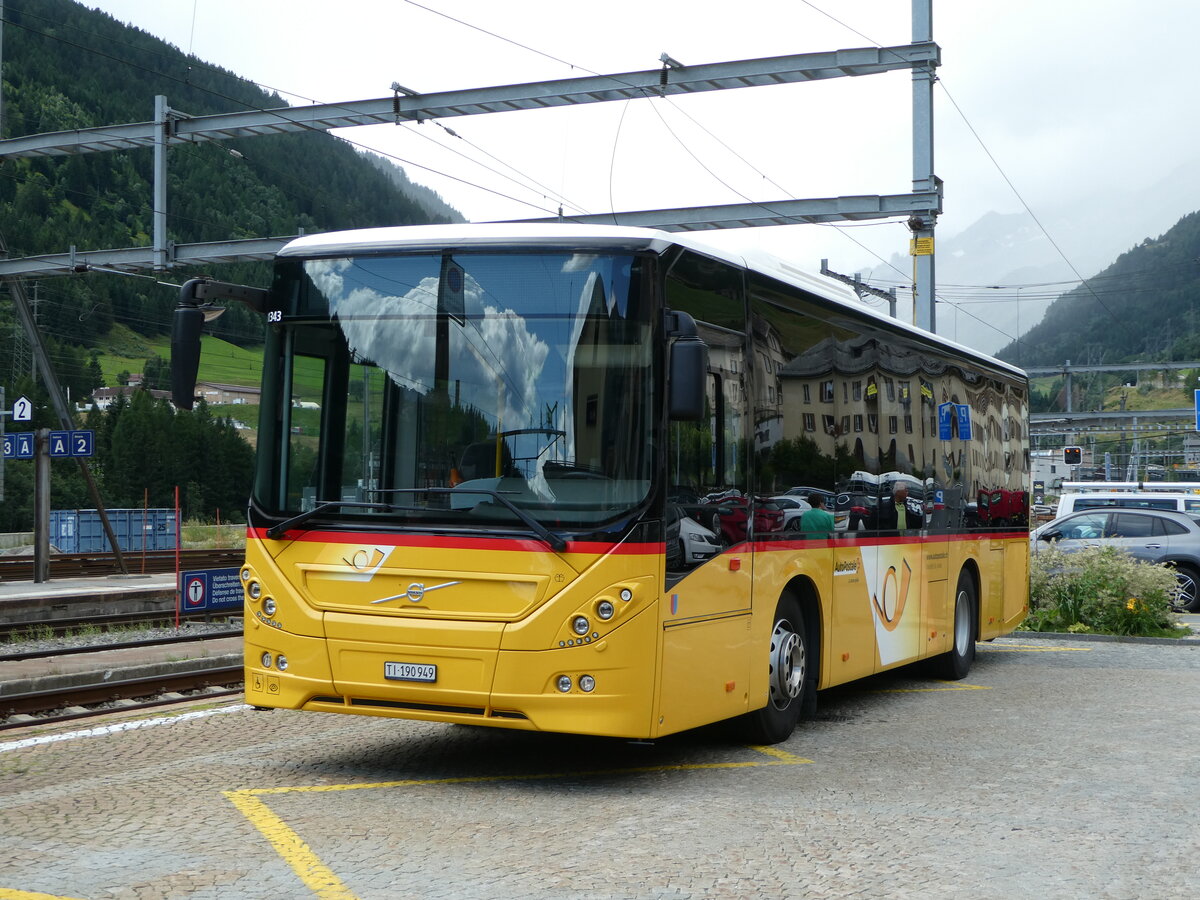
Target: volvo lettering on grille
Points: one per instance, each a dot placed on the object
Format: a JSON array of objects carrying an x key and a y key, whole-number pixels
[{"x": 416, "y": 591}]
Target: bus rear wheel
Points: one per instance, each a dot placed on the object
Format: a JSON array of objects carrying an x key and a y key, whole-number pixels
[
  {"x": 788, "y": 662},
  {"x": 955, "y": 665}
]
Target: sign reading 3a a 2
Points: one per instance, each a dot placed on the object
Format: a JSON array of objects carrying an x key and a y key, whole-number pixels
[{"x": 21, "y": 444}]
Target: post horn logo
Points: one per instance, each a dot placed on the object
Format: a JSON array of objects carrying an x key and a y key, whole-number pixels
[{"x": 889, "y": 602}]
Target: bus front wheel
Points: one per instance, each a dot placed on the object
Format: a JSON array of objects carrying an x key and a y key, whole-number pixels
[{"x": 788, "y": 663}]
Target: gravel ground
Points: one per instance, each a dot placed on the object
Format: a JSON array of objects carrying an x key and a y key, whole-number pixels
[{"x": 119, "y": 636}]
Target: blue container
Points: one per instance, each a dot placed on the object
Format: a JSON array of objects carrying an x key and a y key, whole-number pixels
[{"x": 81, "y": 531}]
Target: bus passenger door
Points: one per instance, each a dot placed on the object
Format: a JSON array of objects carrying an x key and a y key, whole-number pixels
[{"x": 851, "y": 633}]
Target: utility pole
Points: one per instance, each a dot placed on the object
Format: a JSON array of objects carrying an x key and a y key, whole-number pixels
[
  {"x": 3, "y": 416},
  {"x": 41, "y": 506},
  {"x": 861, "y": 287},
  {"x": 921, "y": 224},
  {"x": 21, "y": 305}
]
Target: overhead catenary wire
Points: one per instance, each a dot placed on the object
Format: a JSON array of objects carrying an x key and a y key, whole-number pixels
[{"x": 530, "y": 49}]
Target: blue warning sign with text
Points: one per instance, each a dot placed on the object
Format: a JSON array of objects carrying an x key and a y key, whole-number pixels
[{"x": 210, "y": 589}]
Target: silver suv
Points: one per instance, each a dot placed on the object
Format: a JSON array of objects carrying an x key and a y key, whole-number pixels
[{"x": 1156, "y": 536}]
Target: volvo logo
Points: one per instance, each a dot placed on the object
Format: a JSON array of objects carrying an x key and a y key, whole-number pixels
[{"x": 416, "y": 592}]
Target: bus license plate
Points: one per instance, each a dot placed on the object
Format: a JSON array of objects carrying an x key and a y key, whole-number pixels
[{"x": 403, "y": 671}]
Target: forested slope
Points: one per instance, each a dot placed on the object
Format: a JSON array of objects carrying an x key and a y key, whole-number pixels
[
  {"x": 1144, "y": 307},
  {"x": 67, "y": 67}
]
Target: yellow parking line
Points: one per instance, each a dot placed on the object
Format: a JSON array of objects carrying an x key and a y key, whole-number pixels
[
  {"x": 950, "y": 686},
  {"x": 10, "y": 894},
  {"x": 321, "y": 880},
  {"x": 782, "y": 755},
  {"x": 1031, "y": 648},
  {"x": 316, "y": 876}
]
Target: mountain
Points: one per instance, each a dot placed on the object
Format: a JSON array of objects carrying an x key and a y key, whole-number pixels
[
  {"x": 1144, "y": 306},
  {"x": 67, "y": 67},
  {"x": 1011, "y": 250}
]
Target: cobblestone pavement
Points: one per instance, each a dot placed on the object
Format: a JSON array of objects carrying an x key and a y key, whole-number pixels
[{"x": 1055, "y": 770}]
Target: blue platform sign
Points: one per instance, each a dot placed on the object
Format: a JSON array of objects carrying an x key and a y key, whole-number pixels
[
  {"x": 946, "y": 422},
  {"x": 24, "y": 444},
  {"x": 958, "y": 414},
  {"x": 1197, "y": 396},
  {"x": 60, "y": 443},
  {"x": 964, "y": 421},
  {"x": 211, "y": 589},
  {"x": 10, "y": 446},
  {"x": 83, "y": 443}
]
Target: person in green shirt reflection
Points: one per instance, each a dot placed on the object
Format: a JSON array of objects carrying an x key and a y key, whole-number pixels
[{"x": 818, "y": 521}]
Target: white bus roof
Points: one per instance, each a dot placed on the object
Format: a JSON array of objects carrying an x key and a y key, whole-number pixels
[{"x": 433, "y": 237}]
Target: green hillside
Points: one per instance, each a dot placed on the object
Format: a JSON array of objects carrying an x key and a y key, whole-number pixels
[
  {"x": 1144, "y": 307},
  {"x": 65, "y": 67}
]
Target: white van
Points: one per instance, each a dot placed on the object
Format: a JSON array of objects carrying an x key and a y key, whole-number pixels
[{"x": 1178, "y": 496}]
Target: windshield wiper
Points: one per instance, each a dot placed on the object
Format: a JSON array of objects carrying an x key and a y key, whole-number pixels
[
  {"x": 276, "y": 530},
  {"x": 555, "y": 542}
]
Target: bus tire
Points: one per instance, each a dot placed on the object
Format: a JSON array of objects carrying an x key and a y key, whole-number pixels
[
  {"x": 955, "y": 665},
  {"x": 788, "y": 660}
]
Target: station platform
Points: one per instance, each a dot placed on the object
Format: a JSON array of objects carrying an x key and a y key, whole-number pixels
[
  {"x": 104, "y": 587},
  {"x": 25, "y": 601}
]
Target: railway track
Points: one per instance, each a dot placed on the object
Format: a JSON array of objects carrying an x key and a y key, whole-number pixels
[
  {"x": 98, "y": 693},
  {"x": 121, "y": 695},
  {"x": 45, "y": 653},
  {"x": 13, "y": 633},
  {"x": 152, "y": 562}
]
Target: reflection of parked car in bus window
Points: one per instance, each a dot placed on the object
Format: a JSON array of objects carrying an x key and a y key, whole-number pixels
[{"x": 688, "y": 542}]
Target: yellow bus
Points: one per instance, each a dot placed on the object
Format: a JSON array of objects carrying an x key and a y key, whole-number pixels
[{"x": 481, "y": 447}]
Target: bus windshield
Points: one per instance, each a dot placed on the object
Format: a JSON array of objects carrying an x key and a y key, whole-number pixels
[{"x": 459, "y": 390}]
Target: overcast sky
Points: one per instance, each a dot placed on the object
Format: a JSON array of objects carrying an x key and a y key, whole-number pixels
[{"x": 1070, "y": 99}]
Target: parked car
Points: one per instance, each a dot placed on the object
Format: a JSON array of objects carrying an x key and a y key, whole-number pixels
[
  {"x": 688, "y": 543},
  {"x": 733, "y": 513},
  {"x": 1003, "y": 507},
  {"x": 1074, "y": 501},
  {"x": 697, "y": 544},
  {"x": 1157, "y": 536},
  {"x": 793, "y": 508},
  {"x": 695, "y": 507},
  {"x": 802, "y": 493}
]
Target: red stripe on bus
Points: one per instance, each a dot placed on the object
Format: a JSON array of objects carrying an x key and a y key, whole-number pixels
[
  {"x": 767, "y": 544},
  {"x": 462, "y": 543}
]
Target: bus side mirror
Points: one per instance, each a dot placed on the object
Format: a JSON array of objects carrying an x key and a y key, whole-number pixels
[
  {"x": 186, "y": 325},
  {"x": 687, "y": 371},
  {"x": 195, "y": 308}
]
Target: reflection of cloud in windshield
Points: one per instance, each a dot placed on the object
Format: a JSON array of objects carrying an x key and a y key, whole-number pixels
[{"x": 494, "y": 356}]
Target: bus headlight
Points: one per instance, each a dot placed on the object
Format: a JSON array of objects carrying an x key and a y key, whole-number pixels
[
  {"x": 605, "y": 610},
  {"x": 564, "y": 683},
  {"x": 587, "y": 683},
  {"x": 281, "y": 663},
  {"x": 269, "y": 606},
  {"x": 246, "y": 574},
  {"x": 266, "y": 660},
  {"x": 254, "y": 589},
  {"x": 626, "y": 595},
  {"x": 581, "y": 625}
]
